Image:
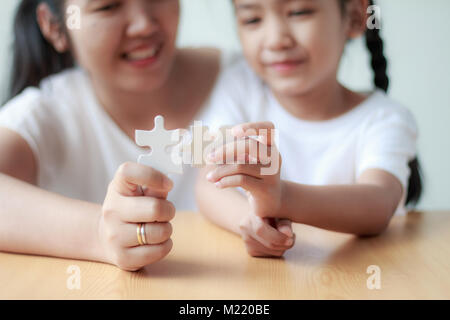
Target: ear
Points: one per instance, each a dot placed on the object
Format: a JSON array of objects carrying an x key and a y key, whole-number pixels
[
  {"x": 356, "y": 12},
  {"x": 51, "y": 29}
]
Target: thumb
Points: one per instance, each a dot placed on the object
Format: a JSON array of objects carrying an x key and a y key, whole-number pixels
[
  {"x": 285, "y": 227},
  {"x": 133, "y": 179}
]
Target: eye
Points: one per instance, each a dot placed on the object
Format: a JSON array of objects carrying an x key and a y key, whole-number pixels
[
  {"x": 109, "y": 7},
  {"x": 297, "y": 13},
  {"x": 252, "y": 21}
]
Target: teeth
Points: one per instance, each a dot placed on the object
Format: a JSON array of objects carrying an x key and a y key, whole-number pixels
[{"x": 142, "y": 54}]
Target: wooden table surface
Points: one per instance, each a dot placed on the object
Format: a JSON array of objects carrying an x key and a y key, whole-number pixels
[{"x": 209, "y": 263}]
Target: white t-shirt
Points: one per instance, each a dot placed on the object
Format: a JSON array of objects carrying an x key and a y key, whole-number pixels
[
  {"x": 378, "y": 133},
  {"x": 77, "y": 145}
]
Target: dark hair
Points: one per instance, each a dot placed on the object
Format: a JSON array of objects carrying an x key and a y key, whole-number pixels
[
  {"x": 379, "y": 64},
  {"x": 34, "y": 58}
]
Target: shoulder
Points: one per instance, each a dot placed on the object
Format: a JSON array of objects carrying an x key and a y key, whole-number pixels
[
  {"x": 50, "y": 88},
  {"x": 201, "y": 61},
  {"x": 385, "y": 111},
  {"x": 211, "y": 54},
  {"x": 236, "y": 69},
  {"x": 43, "y": 103},
  {"x": 64, "y": 84},
  {"x": 238, "y": 81},
  {"x": 237, "y": 92}
]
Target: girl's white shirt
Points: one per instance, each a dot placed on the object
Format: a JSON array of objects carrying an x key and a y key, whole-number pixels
[
  {"x": 77, "y": 145},
  {"x": 377, "y": 134}
]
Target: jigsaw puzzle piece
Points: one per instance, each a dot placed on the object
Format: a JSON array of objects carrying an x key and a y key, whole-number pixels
[{"x": 159, "y": 139}]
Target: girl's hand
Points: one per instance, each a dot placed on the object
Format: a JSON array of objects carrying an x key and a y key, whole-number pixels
[
  {"x": 259, "y": 176},
  {"x": 136, "y": 195},
  {"x": 266, "y": 237}
]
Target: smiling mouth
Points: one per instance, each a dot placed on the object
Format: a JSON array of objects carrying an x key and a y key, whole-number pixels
[
  {"x": 285, "y": 67},
  {"x": 142, "y": 54},
  {"x": 287, "y": 63}
]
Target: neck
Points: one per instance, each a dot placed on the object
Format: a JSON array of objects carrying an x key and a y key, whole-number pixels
[
  {"x": 314, "y": 105},
  {"x": 138, "y": 109}
]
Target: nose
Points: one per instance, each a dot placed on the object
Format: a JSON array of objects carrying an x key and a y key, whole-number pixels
[
  {"x": 141, "y": 20},
  {"x": 278, "y": 35}
]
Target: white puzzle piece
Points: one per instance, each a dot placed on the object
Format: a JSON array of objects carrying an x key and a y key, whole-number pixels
[
  {"x": 158, "y": 140},
  {"x": 202, "y": 142},
  {"x": 188, "y": 147}
]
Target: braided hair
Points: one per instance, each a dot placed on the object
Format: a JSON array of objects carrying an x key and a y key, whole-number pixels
[{"x": 379, "y": 65}]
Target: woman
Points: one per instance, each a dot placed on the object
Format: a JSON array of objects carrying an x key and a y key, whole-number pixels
[{"x": 67, "y": 186}]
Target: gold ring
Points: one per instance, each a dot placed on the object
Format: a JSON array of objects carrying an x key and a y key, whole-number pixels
[
  {"x": 143, "y": 237},
  {"x": 138, "y": 231}
]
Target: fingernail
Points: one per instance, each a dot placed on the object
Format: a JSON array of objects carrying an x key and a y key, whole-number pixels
[
  {"x": 218, "y": 185},
  {"x": 289, "y": 242},
  {"x": 209, "y": 176}
]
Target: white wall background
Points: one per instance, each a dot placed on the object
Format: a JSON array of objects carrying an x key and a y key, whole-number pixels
[{"x": 417, "y": 36}]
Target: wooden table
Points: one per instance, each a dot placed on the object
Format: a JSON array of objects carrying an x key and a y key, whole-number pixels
[{"x": 209, "y": 263}]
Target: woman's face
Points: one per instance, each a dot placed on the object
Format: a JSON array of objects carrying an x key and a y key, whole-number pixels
[
  {"x": 294, "y": 45},
  {"x": 126, "y": 44}
]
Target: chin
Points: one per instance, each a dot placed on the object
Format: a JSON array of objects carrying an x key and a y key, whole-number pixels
[
  {"x": 142, "y": 84},
  {"x": 289, "y": 87}
]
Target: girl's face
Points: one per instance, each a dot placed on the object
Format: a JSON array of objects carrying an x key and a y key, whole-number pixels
[
  {"x": 126, "y": 44},
  {"x": 294, "y": 45}
]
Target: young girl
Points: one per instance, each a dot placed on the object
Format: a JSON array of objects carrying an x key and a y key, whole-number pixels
[
  {"x": 344, "y": 154},
  {"x": 68, "y": 132}
]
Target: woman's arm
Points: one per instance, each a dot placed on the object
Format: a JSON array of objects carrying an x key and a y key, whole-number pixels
[{"x": 35, "y": 221}]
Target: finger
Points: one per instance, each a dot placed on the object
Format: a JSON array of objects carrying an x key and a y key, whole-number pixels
[
  {"x": 246, "y": 229},
  {"x": 264, "y": 131},
  {"x": 246, "y": 182},
  {"x": 256, "y": 249},
  {"x": 238, "y": 151},
  {"x": 248, "y": 151},
  {"x": 155, "y": 233},
  {"x": 130, "y": 176},
  {"x": 233, "y": 169},
  {"x": 284, "y": 226},
  {"x": 266, "y": 234},
  {"x": 145, "y": 209},
  {"x": 138, "y": 257}
]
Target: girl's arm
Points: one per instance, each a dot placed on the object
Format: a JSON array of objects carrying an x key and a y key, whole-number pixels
[
  {"x": 363, "y": 209},
  {"x": 226, "y": 208},
  {"x": 230, "y": 210}
]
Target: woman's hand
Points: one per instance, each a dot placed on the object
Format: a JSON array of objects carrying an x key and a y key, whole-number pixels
[
  {"x": 255, "y": 167},
  {"x": 266, "y": 237},
  {"x": 137, "y": 194}
]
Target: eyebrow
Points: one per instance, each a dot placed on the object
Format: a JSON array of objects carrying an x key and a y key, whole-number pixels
[{"x": 248, "y": 6}]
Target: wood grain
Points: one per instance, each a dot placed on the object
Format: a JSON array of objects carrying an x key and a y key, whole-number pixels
[{"x": 209, "y": 263}]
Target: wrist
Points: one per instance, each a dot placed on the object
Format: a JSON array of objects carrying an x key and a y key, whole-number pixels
[
  {"x": 99, "y": 249},
  {"x": 282, "y": 212},
  {"x": 291, "y": 199}
]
